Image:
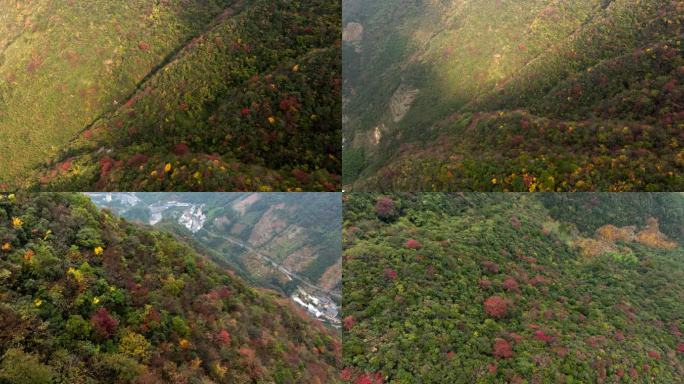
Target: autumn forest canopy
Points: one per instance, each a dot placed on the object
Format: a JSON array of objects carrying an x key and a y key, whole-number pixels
[
  {"x": 511, "y": 95},
  {"x": 171, "y": 95},
  {"x": 87, "y": 297},
  {"x": 513, "y": 288}
]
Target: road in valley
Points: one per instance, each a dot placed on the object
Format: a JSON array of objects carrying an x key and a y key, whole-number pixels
[{"x": 289, "y": 273}]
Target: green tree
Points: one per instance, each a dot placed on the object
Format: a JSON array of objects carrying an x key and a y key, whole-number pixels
[
  {"x": 136, "y": 346},
  {"x": 18, "y": 367},
  {"x": 88, "y": 237}
]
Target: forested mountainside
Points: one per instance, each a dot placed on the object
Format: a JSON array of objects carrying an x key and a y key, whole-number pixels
[
  {"x": 272, "y": 239},
  {"x": 170, "y": 95},
  {"x": 532, "y": 95},
  {"x": 86, "y": 297},
  {"x": 513, "y": 288}
]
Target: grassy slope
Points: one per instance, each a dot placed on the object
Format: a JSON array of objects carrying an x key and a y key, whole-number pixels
[
  {"x": 171, "y": 306},
  {"x": 604, "y": 314},
  {"x": 250, "y": 103},
  {"x": 579, "y": 98},
  {"x": 69, "y": 62}
]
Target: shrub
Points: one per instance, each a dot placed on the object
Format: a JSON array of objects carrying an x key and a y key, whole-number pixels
[
  {"x": 118, "y": 367},
  {"x": 88, "y": 237},
  {"x": 135, "y": 346},
  {"x": 77, "y": 327}
]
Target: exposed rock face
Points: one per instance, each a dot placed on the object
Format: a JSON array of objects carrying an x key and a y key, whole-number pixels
[
  {"x": 377, "y": 134},
  {"x": 353, "y": 35},
  {"x": 353, "y": 32},
  {"x": 401, "y": 101}
]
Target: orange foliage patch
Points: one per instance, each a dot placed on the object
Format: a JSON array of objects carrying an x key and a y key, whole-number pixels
[
  {"x": 65, "y": 165},
  {"x": 612, "y": 233},
  {"x": 652, "y": 237},
  {"x": 608, "y": 235}
]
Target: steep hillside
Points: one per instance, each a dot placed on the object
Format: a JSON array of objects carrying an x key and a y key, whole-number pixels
[
  {"x": 88, "y": 298},
  {"x": 170, "y": 95},
  {"x": 513, "y": 288},
  {"x": 257, "y": 234},
  {"x": 534, "y": 95}
]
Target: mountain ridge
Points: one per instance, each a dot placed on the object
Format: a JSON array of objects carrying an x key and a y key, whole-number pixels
[
  {"x": 232, "y": 105},
  {"x": 589, "y": 69}
]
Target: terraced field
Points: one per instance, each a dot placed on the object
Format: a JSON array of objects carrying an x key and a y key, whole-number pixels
[
  {"x": 535, "y": 95},
  {"x": 170, "y": 95}
]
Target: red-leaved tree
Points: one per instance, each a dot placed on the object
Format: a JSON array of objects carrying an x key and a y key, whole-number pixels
[
  {"x": 385, "y": 208},
  {"x": 510, "y": 285},
  {"x": 413, "y": 244},
  {"x": 542, "y": 336},
  {"x": 502, "y": 349},
  {"x": 390, "y": 274},
  {"x": 346, "y": 374},
  {"x": 223, "y": 337},
  {"x": 496, "y": 306},
  {"x": 369, "y": 378},
  {"x": 348, "y": 322},
  {"x": 104, "y": 324}
]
